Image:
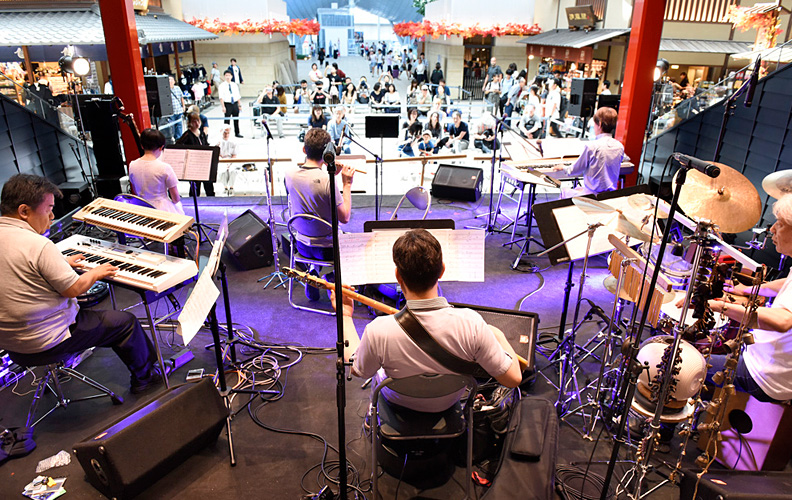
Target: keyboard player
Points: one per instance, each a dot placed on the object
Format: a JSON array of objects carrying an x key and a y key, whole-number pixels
[
  {"x": 600, "y": 162},
  {"x": 39, "y": 313}
]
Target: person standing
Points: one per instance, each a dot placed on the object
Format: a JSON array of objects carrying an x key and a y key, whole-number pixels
[
  {"x": 177, "y": 101},
  {"x": 553, "y": 107},
  {"x": 229, "y": 100},
  {"x": 493, "y": 70},
  {"x": 195, "y": 136},
  {"x": 217, "y": 80},
  {"x": 236, "y": 73},
  {"x": 437, "y": 75},
  {"x": 228, "y": 150},
  {"x": 512, "y": 98}
]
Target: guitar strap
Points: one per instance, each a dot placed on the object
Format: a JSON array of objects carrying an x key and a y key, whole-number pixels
[{"x": 424, "y": 340}]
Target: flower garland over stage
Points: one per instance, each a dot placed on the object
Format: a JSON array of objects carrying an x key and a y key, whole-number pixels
[
  {"x": 435, "y": 30},
  {"x": 299, "y": 27}
]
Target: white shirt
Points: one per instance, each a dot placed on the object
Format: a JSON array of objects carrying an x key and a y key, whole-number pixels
[
  {"x": 553, "y": 103},
  {"x": 599, "y": 164},
  {"x": 108, "y": 87},
  {"x": 229, "y": 91},
  {"x": 769, "y": 358},
  {"x": 152, "y": 180}
]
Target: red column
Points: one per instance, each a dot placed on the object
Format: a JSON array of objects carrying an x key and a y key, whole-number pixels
[
  {"x": 123, "y": 54},
  {"x": 636, "y": 96}
]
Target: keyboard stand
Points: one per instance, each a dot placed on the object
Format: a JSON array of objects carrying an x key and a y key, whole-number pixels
[{"x": 147, "y": 298}]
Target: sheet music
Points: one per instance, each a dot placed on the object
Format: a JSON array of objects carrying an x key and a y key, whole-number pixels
[
  {"x": 368, "y": 258},
  {"x": 177, "y": 159},
  {"x": 196, "y": 309},
  {"x": 197, "y": 164}
]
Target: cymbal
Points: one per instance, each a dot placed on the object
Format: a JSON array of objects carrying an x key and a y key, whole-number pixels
[
  {"x": 645, "y": 205},
  {"x": 618, "y": 223},
  {"x": 729, "y": 200},
  {"x": 778, "y": 184},
  {"x": 610, "y": 285}
]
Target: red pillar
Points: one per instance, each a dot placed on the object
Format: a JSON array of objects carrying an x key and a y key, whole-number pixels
[
  {"x": 123, "y": 54},
  {"x": 636, "y": 97}
]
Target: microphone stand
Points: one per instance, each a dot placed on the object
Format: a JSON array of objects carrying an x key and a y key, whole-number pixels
[
  {"x": 276, "y": 275},
  {"x": 728, "y": 111},
  {"x": 340, "y": 364},
  {"x": 634, "y": 368},
  {"x": 377, "y": 165}
]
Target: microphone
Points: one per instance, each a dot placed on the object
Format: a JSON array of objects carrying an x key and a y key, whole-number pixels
[
  {"x": 266, "y": 127},
  {"x": 329, "y": 153},
  {"x": 752, "y": 83},
  {"x": 705, "y": 167}
]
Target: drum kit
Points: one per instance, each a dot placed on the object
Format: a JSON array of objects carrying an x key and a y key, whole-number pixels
[{"x": 673, "y": 362}]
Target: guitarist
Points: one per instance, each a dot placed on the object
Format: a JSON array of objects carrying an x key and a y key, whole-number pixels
[{"x": 385, "y": 350}]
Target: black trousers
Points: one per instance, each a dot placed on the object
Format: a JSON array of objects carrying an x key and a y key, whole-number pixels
[
  {"x": 232, "y": 109},
  {"x": 209, "y": 186},
  {"x": 119, "y": 330}
]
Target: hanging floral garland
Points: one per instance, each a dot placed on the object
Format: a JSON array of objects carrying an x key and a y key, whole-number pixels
[
  {"x": 436, "y": 30},
  {"x": 300, "y": 27},
  {"x": 766, "y": 23}
]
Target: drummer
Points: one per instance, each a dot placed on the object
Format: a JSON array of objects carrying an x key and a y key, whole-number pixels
[{"x": 765, "y": 368}]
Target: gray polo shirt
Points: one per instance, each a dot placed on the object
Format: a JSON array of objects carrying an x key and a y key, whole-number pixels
[
  {"x": 34, "y": 316},
  {"x": 309, "y": 193},
  {"x": 386, "y": 351}
]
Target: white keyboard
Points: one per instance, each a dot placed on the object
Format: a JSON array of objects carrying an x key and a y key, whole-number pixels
[
  {"x": 138, "y": 267},
  {"x": 157, "y": 225}
]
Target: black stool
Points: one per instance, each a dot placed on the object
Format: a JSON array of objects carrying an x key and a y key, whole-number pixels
[{"x": 57, "y": 366}]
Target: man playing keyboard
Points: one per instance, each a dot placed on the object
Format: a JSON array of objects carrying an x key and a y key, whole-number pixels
[
  {"x": 39, "y": 313},
  {"x": 600, "y": 162}
]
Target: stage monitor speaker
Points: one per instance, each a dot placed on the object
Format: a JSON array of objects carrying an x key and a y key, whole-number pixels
[
  {"x": 519, "y": 327},
  {"x": 143, "y": 446},
  {"x": 158, "y": 95},
  {"x": 249, "y": 241},
  {"x": 583, "y": 96},
  {"x": 608, "y": 101},
  {"x": 75, "y": 194},
  {"x": 454, "y": 182},
  {"x": 736, "y": 485},
  {"x": 386, "y": 126},
  {"x": 755, "y": 434}
]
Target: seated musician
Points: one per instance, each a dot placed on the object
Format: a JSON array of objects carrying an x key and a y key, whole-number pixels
[
  {"x": 385, "y": 350},
  {"x": 765, "y": 367},
  {"x": 308, "y": 186},
  {"x": 339, "y": 131},
  {"x": 39, "y": 313},
  {"x": 151, "y": 178},
  {"x": 600, "y": 162}
]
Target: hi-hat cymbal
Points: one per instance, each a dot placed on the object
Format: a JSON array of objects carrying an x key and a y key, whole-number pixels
[
  {"x": 778, "y": 184},
  {"x": 729, "y": 200},
  {"x": 610, "y": 285}
]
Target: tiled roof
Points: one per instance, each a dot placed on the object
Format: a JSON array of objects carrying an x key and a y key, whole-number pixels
[
  {"x": 84, "y": 27},
  {"x": 574, "y": 39},
  {"x": 707, "y": 46}
]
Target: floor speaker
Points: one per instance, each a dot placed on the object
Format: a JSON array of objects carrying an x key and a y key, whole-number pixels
[
  {"x": 453, "y": 182},
  {"x": 736, "y": 485},
  {"x": 249, "y": 242},
  {"x": 519, "y": 327},
  {"x": 143, "y": 446}
]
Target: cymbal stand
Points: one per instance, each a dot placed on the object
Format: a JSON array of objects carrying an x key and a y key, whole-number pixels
[
  {"x": 590, "y": 421},
  {"x": 497, "y": 157},
  {"x": 277, "y": 276}
]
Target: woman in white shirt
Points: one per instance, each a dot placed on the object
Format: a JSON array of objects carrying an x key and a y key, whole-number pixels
[
  {"x": 392, "y": 100},
  {"x": 152, "y": 179},
  {"x": 228, "y": 149},
  {"x": 314, "y": 75}
]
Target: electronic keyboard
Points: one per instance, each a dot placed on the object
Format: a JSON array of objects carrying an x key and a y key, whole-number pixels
[{"x": 157, "y": 225}]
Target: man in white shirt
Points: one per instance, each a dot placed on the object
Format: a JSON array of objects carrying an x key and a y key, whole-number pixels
[
  {"x": 553, "y": 107},
  {"x": 765, "y": 368},
  {"x": 601, "y": 160},
  {"x": 229, "y": 100}
]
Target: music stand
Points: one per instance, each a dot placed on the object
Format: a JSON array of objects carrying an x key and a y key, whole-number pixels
[
  {"x": 380, "y": 126},
  {"x": 194, "y": 164}
]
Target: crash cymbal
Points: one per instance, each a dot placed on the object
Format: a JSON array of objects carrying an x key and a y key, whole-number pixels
[
  {"x": 619, "y": 222},
  {"x": 729, "y": 200},
  {"x": 610, "y": 285},
  {"x": 778, "y": 184},
  {"x": 645, "y": 204}
]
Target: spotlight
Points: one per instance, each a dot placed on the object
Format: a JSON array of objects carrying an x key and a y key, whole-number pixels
[
  {"x": 660, "y": 69},
  {"x": 75, "y": 65}
]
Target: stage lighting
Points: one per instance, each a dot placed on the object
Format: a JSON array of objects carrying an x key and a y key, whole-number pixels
[{"x": 75, "y": 65}]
